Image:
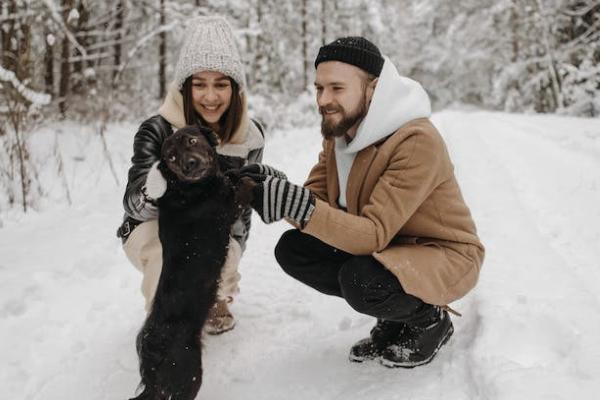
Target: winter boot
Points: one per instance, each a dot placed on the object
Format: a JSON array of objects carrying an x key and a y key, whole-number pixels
[
  {"x": 419, "y": 342},
  {"x": 220, "y": 319},
  {"x": 383, "y": 334}
]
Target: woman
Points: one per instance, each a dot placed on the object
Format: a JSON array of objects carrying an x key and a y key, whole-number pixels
[{"x": 208, "y": 89}]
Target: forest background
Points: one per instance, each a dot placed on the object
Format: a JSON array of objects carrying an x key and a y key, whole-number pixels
[{"x": 99, "y": 62}]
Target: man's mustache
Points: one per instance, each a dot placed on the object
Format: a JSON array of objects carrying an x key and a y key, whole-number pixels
[{"x": 323, "y": 110}]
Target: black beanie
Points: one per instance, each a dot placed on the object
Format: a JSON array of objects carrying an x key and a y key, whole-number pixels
[{"x": 354, "y": 50}]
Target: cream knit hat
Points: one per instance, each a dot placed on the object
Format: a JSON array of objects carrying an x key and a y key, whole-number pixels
[{"x": 209, "y": 45}]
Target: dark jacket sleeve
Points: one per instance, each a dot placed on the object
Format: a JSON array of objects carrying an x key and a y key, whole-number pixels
[
  {"x": 245, "y": 219},
  {"x": 146, "y": 151}
]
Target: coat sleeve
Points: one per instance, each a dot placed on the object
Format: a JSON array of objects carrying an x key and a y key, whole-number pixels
[
  {"x": 412, "y": 174},
  {"x": 241, "y": 228},
  {"x": 146, "y": 151},
  {"x": 317, "y": 178}
]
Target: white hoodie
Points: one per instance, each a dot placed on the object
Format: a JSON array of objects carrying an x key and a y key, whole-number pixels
[{"x": 396, "y": 101}]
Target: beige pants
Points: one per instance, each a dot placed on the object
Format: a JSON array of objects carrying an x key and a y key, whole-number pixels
[{"x": 144, "y": 250}]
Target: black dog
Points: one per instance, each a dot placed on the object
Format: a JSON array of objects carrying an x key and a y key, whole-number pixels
[{"x": 195, "y": 217}]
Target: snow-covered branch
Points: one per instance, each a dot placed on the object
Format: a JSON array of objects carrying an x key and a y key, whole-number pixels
[
  {"x": 59, "y": 20},
  {"x": 32, "y": 96}
]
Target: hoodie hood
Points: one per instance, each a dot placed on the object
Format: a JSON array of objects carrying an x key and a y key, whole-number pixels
[{"x": 396, "y": 101}]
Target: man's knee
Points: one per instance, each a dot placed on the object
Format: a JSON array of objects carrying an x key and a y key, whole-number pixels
[
  {"x": 286, "y": 248},
  {"x": 371, "y": 289},
  {"x": 356, "y": 282}
]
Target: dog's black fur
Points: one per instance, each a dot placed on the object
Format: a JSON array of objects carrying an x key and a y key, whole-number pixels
[{"x": 195, "y": 217}]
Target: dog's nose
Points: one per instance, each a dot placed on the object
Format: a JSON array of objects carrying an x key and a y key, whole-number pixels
[{"x": 190, "y": 164}]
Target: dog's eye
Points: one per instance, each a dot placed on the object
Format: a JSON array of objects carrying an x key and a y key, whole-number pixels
[
  {"x": 193, "y": 141},
  {"x": 172, "y": 158}
]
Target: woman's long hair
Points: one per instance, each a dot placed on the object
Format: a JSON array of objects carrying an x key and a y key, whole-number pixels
[{"x": 229, "y": 122}]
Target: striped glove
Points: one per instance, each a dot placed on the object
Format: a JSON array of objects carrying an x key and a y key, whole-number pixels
[
  {"x": 261, "y": 169},
  {"x": 276, "y": 198}
]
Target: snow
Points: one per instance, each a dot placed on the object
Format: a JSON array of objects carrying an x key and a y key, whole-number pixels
[
  {"x": 50, "y": 39},
  {"x": 70, "y": 304},
  {"x": 73, "y": 16}
]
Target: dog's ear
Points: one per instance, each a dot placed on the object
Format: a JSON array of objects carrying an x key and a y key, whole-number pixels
[
  {"x": 162, "y": 166},
  {"x": 202, "y": 130},
  {"x": 209, "y": 134}
]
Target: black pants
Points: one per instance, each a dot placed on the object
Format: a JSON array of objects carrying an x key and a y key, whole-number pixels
[{"x": 362, "y": 281}]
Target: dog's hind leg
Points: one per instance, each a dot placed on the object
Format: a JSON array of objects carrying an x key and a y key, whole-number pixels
[
  {"x": 183, "y": 375},
  {"x": 152, "y": 342},
  {"x": 148, "y": 394}
]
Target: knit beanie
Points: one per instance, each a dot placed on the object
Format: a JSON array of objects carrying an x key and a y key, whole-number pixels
[
  {"x": 354, "y": 50},
  {"x": 209, "y": 45}
]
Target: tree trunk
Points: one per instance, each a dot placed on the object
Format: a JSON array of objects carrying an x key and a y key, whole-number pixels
[
  {"x": 49, "y": 64},
  {"x": 162, "y": 54},
  {"x": 514, "y": 19},
  {"x": 9, "y": 58},
  {"x": 83, "y": 38},
  {"x": 259, "y": 56},
  {"x": 118, "y": 37},
  {"x": 304, "y": 45},
  {"x": 16, "y": 42},
  {"x": 551, "y": 59},
  {"x": 323, "y": 22},
  {"x": 65, "y": 66},
  {"x": 24, "y": 52}
]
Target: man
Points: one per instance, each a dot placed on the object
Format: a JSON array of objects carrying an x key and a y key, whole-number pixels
[{"x": 381, "y": 219}]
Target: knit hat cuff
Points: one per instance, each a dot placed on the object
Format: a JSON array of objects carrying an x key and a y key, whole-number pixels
[
  {"x": 196, "y": 62},
  {"x": 355, "y": 51}
]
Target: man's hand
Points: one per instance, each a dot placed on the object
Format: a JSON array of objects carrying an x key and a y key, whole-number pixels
[{"x": 276, "y": 198}]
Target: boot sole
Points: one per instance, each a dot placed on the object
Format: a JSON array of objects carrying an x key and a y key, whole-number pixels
[
  {"x": 356, "y": 359},
  {"x": 392, "y": 364}
]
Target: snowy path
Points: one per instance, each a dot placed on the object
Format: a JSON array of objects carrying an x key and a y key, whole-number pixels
[{"x": 70, "y": 306}]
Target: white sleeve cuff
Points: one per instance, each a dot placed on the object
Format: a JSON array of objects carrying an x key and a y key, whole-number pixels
[{"x": 156, "y": 185}]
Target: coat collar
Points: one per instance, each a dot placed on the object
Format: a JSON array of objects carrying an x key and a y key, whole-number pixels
[{"x": 356, "y": 178}]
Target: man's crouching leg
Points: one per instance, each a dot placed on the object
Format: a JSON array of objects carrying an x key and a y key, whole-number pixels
[
  {"x": 408, "y": 333},
  {"x": 311, "y": 261}
]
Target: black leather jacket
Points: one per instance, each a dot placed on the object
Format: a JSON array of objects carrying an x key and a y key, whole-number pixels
[{"x": 146, "y": 151}]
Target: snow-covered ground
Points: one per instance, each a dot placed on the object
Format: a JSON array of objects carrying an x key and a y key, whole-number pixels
[{"x": 70, "y": 304}]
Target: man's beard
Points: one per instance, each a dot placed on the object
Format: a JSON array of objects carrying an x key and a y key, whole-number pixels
[{"x": 331, "y": 130}]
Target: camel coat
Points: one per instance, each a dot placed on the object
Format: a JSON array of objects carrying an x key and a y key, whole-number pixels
[{"x": 404, "y": 207}]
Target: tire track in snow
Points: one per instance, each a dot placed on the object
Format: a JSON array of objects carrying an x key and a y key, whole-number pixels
[
  {"x": 524, "y": 285},
  {"x": 555, "y": 188}
]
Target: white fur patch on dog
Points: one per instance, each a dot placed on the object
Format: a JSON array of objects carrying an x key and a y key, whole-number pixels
[
  {"x": 230, "y": 277},
  {"x": 156, "y": 184}
]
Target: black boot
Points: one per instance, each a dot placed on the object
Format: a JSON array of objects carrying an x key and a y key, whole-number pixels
[
  {"x": 382, "y": 335},
  {"x": 419, "y": 343}
]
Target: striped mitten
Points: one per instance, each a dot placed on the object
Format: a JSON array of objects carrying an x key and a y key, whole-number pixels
[
  {"x": 261, "y": 169},
  {"x": 276, "y": 198}
]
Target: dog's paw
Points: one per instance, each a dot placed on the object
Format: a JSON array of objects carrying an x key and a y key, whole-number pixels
[
  {"x": 156, "y": 184},
  {"x": 244, "y": 193},
  {"x": 233, "y": 175}
]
